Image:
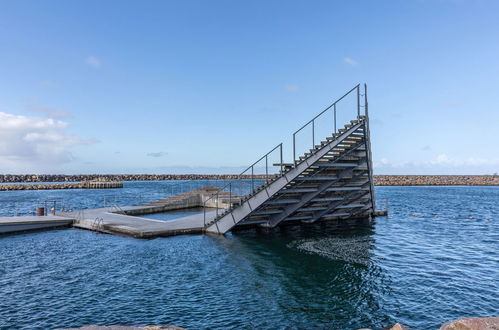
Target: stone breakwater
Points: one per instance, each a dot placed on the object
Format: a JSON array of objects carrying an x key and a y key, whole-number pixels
[
  {"x": 380, "y": 180},
  {"x": 75, "y": 185},
  {"x": 436, "y": 180},
  {"x": 117, "y": 177}
]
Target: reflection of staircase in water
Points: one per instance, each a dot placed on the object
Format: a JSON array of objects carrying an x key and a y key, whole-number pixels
[{"x": 331, "y": 181}]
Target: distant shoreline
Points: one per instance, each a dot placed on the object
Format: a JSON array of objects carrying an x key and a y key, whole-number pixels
[{"x": 380, "y": 180}]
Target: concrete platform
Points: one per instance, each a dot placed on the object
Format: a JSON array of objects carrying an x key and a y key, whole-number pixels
[
  {"x": 27, "y": 223},
  {"x": 106, "y": 221}
]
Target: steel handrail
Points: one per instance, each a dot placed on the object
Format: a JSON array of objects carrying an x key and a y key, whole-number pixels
[
  {"x": 239, "y": 177},
  {"x": 329, "y": 107},
  {"x": 312, "y": 121}
]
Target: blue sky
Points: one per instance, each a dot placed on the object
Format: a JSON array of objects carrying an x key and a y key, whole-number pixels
[{"x": 209, "y": 86}]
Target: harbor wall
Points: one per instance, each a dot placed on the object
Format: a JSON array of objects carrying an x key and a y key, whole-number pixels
[{"x": 380, "y": 180}]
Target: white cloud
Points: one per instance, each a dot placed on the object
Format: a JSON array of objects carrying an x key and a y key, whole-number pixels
[
  {"x": 351, "y": 61},
  {"x": 35, "y": 144},
  {"x": 292, "y": 88},
  {"x": 93, "y": 62}
]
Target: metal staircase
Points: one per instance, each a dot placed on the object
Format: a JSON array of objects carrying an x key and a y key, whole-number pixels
[{"x": 332, "y": 180}]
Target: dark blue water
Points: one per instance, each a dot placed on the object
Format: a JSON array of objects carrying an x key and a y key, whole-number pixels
[{"x": 433, "y": 259}]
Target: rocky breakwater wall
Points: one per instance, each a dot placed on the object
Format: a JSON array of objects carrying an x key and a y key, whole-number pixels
[
  {"x": 380, "y": 180},
  {"x": 436, "y": 180},
  {"x": 118, "y": 177},
  {"x": 75, "y": 185}
]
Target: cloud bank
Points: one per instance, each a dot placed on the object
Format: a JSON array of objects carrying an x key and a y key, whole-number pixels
[
  {"x": 35, "y": 144},
  {"x": 441, "y": 164}
]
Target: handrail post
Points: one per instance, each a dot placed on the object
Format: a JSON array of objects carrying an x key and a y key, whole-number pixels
[
  {"x": 334, "y": 111},
  {"x": 216, "y": 212},
  {"x": 358, "y": 101},
  {"x": 266, "y": 168},
  {"x": 365, "y": 100},
  {"x": 282, "y": 165},
  {"x": 313, "y": 134},
  {"x": 230, "y": 196},
  {"x": 204, "y": 213},
  {"x": 294, "y": 149},
  {"x": 252, "y": 180}
]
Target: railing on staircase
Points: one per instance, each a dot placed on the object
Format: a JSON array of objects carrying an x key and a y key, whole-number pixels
[
  {"x": 333, "y": 109},
  {"x": 242, "y": 179}
]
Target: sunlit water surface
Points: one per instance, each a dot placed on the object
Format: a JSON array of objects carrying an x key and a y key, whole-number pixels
[{"x": 433, "y": 259}]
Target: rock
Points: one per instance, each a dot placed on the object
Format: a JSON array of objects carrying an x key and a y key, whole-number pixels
[
  {"x": 396, "y": 326},
  {"x": 472, "y": 323},
  {"x": 124, "y": 327}
]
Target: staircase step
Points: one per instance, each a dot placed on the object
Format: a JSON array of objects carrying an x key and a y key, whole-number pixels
[
  {"x": 284, "y": 164},
  {"x": 346, "y": 189},
  {"x": 340, "y": 165},
  {"x": 266, "y": 212},
  {"x": 282, "y": 201},
  {"x": 297, "y": 190},
  {"x": 350, "y": 206},
  {"x": 312, "y": 209},
  {"x": 316, "y": 178},
  {"x": 326, "y": 199}
]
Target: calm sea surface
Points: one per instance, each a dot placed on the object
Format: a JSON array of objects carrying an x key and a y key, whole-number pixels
[{"x": 433, "y": 259}]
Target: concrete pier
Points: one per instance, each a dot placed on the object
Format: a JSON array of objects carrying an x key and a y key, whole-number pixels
[
  {"x": 125, "y": 220},
  {"x": 28, "y": 223}
]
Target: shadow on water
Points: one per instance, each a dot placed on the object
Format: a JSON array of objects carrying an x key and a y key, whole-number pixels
[{"x": 321, "y": 274}]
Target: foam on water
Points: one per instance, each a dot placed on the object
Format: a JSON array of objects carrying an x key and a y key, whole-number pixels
[{"x": 354, "y": 250}]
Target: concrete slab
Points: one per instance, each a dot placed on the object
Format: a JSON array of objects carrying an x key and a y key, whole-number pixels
[
  {"x": 27, "y": 223},
  {"x": 106, "y": 221}
]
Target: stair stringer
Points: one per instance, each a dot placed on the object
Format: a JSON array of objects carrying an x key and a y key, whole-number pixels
[{"x": 232, "y": 218}]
